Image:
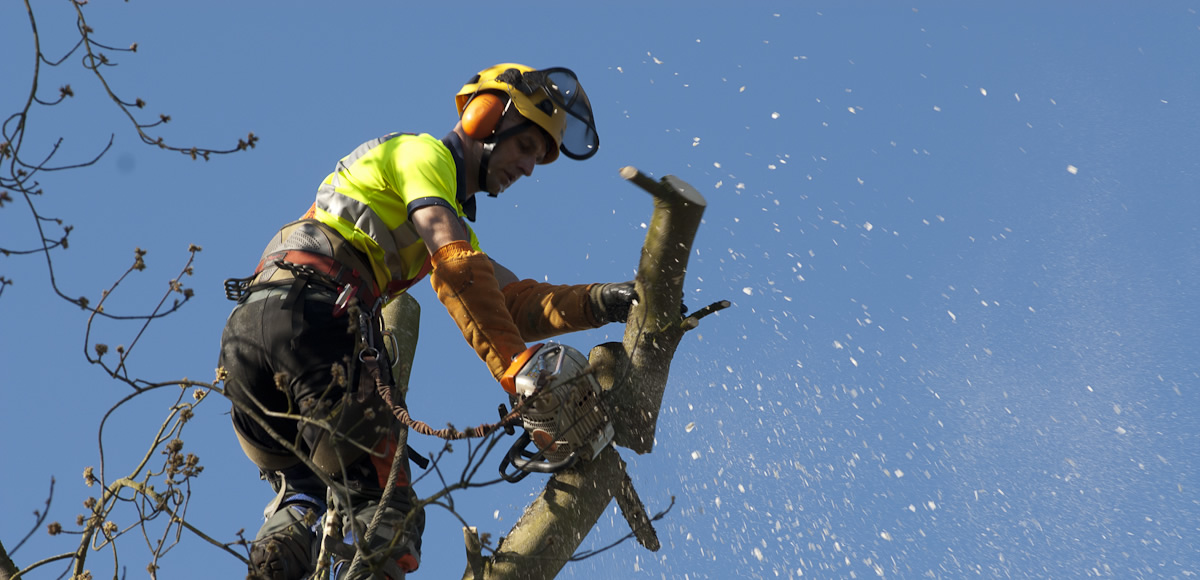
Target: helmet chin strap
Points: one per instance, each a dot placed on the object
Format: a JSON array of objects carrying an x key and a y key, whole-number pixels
[
  {"x": 489, "y": 144},
  {"x": 485, "y": 157}
]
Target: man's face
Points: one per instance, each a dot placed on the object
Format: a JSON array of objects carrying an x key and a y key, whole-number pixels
[{"x": 515, "y": 157}]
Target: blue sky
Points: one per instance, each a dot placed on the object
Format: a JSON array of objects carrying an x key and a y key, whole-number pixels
[{"x": 960, "y": 240}]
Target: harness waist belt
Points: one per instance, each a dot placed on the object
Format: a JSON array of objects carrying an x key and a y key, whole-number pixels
[
  {"x": 288, "y": 265},
  {"x": 307, "y": 252},
  {"x": 317, "y": 293}
]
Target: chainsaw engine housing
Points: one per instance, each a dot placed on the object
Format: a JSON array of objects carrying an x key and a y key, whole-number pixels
[{"x": 562, "y": 413}]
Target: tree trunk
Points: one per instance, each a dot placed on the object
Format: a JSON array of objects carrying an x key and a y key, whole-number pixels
[{"x": 634, "y": 376}]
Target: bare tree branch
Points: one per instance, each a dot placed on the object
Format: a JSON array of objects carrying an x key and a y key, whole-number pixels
[
  {"x": 17, "y": 174},
  {"x": 20, "y": 170}
]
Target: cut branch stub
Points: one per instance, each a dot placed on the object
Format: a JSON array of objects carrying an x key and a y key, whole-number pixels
[
  {"x": 402, "y": 320},
  {"x": 475, "y": 561},
  {"x": 654, "y": 328}
]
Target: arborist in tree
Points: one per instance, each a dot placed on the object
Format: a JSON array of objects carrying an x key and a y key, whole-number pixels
[{"x": 393, "y": 211}]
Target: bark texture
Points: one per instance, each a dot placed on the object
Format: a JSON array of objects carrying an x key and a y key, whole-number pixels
[{"x": 634, "y": 376}]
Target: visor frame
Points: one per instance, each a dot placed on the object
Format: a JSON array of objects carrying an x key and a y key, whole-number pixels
[{"x": 574, "y": 104}]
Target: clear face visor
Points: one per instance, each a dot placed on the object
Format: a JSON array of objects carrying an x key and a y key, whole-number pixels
[{"x": 580, "y": 140}]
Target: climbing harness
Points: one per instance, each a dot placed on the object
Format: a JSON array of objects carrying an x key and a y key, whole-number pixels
[{"x": 308, "y": 252}]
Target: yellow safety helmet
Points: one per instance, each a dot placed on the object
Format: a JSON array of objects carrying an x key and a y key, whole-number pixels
[{"x": 552, "y": 99}]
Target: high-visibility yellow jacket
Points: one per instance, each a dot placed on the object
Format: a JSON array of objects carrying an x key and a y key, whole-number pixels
[
  {"x": 368, "y": 199},
  {"x": 372, "y": 192}
]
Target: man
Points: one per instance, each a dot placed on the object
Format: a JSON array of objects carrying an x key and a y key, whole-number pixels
[{"x": 393, "y": 211}]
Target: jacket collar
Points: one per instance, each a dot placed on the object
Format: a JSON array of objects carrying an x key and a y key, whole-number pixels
[{"x": 454, "y": 143}]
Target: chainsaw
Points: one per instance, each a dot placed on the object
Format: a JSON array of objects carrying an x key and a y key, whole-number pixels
[{"x": 561, "y": 413}]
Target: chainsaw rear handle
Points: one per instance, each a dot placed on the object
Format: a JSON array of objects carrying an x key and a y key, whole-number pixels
[{"x": 524, "y": 461}]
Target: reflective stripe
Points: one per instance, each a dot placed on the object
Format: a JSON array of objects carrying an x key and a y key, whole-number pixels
[
  {"x": 359, "y": 152},
  {"x": 406, "y": 235},
  {"x": 358, "y": 213},
  {"x": 351, "y": 216},
  {"x": 371, "y": 194},
  {"x": 362, "y": 150}
]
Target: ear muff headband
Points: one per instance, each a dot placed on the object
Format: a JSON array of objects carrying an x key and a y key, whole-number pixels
[{"x": 482, "y": 115}]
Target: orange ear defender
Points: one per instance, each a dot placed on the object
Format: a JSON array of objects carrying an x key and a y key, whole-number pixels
[{"x": 482, "y": 115}]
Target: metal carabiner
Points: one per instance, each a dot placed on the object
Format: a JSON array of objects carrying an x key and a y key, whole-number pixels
[
  {"x": 394, "y": 348},
  {"x": 366, "y": 319},
  {"x": 364, "y": 329}
]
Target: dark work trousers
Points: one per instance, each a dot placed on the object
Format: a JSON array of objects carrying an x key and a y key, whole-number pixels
[{"x": 300, "y": 359}]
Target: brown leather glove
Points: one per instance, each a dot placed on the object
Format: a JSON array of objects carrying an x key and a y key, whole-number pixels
[
  {"x": 543, "y": 310},
  {"x": 465, "y": 283}
]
